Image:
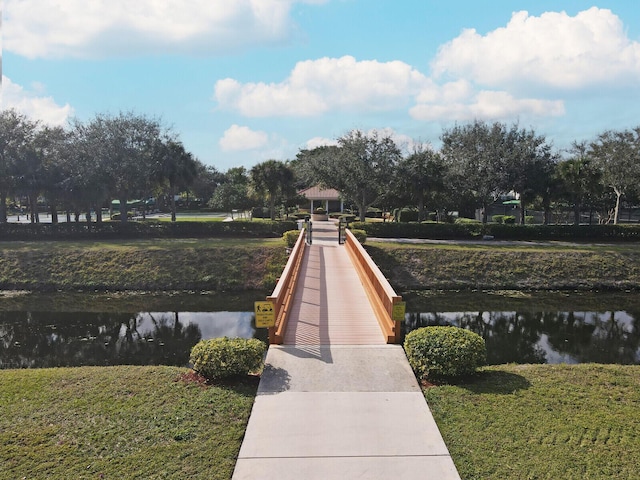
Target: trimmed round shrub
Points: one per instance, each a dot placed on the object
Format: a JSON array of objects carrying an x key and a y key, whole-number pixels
[
  {"x": 444, "y": 351},
  {"x": 227, "y": 357},
  {"x": 291, "y": 237},
  {"x": 360, "y": 235}
]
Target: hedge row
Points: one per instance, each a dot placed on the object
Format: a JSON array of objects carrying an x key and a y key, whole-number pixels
[
  {"x": 462, "y": 231},
  {"x": 115, "y": 230}
]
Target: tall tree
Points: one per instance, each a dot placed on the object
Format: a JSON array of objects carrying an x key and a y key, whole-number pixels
[
  {"x": 16, "y": 133},
  {"x": 475, "y": 154},
  {"x": 360, "y": 167},
  {"x": 88, "y": 185},
  {"x": 617, "y": 154},
  {"x": 233, "y": 192},
  {"x": 529, "y": 164},
  {"x": 206, "y": 181},
  {"x": 421, "y": 176},
  {"x": 125, "y": 146},
  {"x": 271, "y": 179},
  {"x": 53, "y": 146},
  {"x": 176, "y": 167},
  {"x": 579, "y": 179}
]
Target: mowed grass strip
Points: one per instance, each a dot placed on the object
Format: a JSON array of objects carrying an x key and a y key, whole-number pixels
[
  {"x": 119, "y": 422},
  {"x": 542, "y": 422},
  {"x": 508, "y": 267},
  {"x": 176, "y": 264}
]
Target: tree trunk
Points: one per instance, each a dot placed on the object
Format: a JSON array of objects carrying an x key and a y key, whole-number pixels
[
  {"x": 3, "y": 207},
  {"x": 362, "y": 210},
  {"x": 576, "y": 214},
  {"x": 123, "y": 209},
  {"x": 54, "y": 213},
  {"x": 617, "y": 209},
  {"x": 272, "y": 207},
  {"x": 420, "y": 208},
  {"x": 33, "y": 205},
  {"x": 173, "y": 204},
  {"x": 484, "y": 212},
  {"x": 522, "y": 211},
  {"x": 98, "y": 209}
]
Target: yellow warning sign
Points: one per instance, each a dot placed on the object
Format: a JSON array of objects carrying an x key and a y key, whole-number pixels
[
  {"x": 399, "y": 310},
  {"x": 265, "y": 314}
]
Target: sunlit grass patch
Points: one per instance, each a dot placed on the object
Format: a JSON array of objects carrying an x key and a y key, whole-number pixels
[
  {"x": 542, "y": 421},
  {"x": 119, "y": 422}
]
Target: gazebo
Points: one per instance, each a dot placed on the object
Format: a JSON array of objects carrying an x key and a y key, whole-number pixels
[{"x": 323, "y": 197}]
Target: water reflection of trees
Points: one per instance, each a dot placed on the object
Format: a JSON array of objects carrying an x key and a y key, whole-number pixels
[
  {"x": 48, "y": 339},
  {"x": 538, "y": 337}
]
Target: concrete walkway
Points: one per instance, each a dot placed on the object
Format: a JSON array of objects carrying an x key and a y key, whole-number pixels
[{"x": 330, "y": 409}]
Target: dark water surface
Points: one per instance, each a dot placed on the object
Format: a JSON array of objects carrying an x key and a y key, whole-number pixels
[
  {"x": 542, "y": 327},
  {"x": 101, "y": 329}
]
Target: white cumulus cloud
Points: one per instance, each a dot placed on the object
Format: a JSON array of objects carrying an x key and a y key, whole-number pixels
[
  {"x": 33, "y": 104},
  {"x": 488, "y": 105},
  {"x": 238, "y": 138},
  {"x": 554, "y": 50},
  {"x": 97, "y": 28},
  {"x": 317, "y": 86}
]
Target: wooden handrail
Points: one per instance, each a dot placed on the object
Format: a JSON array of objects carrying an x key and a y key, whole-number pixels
[
  {"x": 283, "y": 292},
  {"x": 380, "y": 292}
]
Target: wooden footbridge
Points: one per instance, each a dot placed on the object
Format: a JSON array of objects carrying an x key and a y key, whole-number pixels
[
  {"x": 332, "y": 293},
  {"x": 334, "y": 400}
]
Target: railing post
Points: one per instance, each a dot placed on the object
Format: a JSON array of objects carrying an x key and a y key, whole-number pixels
[{"x": 309, "y": 228}]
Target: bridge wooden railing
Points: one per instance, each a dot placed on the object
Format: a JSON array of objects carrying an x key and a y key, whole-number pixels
[
  {"x": 282, "y": 294},
  {"x": 380, "y": 293}
]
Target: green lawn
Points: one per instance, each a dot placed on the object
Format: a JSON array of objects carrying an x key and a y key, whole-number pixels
[
  {"x": 508, "y": 267},
  {"x": 119, "y": 422},
  {"x": 543, "y": 421},
  {"x": 509, "y": 422},
  {"x": 150, "y": 265}
]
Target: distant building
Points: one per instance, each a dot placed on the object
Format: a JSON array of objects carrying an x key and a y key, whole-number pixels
[{"x": 327, "y": 198}]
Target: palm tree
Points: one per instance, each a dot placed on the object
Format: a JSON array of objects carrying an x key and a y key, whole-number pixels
[
  {"x": 176, "y": 167},
  {"x": 272, "y": 178}
]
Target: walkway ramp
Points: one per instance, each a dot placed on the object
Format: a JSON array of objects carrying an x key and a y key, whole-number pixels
[
  {"x": 330, "y": 305},
  {"x": 335, "y": 401}
]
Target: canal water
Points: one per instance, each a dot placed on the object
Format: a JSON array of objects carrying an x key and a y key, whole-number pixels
[{"x": 99, "y": 329}]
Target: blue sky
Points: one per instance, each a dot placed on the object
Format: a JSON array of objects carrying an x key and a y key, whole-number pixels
[{"x": 242, "y": 81}]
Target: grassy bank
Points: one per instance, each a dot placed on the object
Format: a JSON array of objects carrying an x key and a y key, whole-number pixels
[
  {"x": 160, "y": 265},
  {"x": 516, "y": 422},
  {"x": 119, "y": 422},
  {"x": 543, "y": 421},
  {"x": 250, "y": 264},
  {"x": 549, "y": 267}
]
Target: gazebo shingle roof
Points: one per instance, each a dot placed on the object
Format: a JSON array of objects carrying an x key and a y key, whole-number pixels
[{"x": 317, "y": 193}]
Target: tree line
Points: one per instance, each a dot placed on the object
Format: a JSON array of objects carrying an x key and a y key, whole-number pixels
[
  {"x": 477, "y": 164},
  {"x": 82, "y": 168}
]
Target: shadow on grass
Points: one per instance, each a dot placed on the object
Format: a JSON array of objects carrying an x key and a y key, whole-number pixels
[
  {"x": 488, "y": 382},
  {"x": 245, "y": 385}
]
